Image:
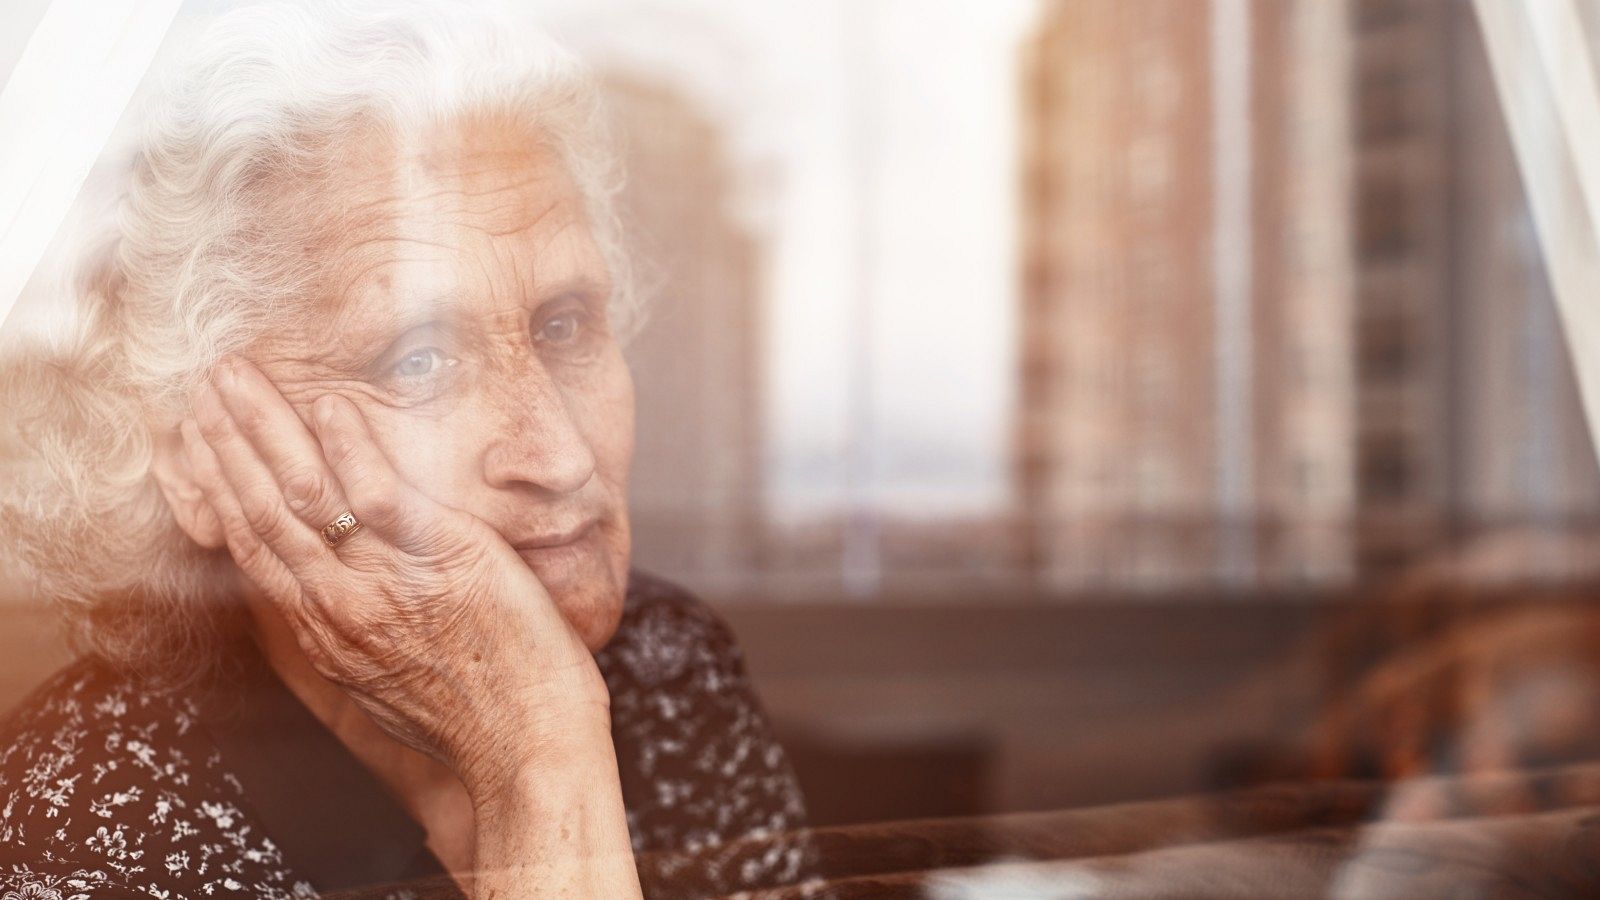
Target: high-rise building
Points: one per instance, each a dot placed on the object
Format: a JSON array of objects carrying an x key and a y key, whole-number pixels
[
  {"x": 1402, "y": 143},
  {"x": 1365, "y": 371},
  {"x": 1186, "y": 380},
  {"x": 1284, "y": 316},
  {"x": 1470, "y": 421}
]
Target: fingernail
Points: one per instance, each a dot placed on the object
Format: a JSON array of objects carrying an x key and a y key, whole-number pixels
[
  {"x": 225, "y": 371},
  {"x": 206, "y": 402},
  {"x": 188, "y": 433}
]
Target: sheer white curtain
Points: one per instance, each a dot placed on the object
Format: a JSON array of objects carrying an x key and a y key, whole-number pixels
[
  {"x": 1543, "y": 55},
  {"x": 63, "y": 96}
]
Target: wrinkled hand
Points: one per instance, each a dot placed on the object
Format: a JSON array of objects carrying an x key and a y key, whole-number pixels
[{"x": 425, "y": 616}]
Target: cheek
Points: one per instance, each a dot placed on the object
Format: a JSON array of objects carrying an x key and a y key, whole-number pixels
[
  {"x": 615, "y": 445},
  {"x": 601, "y": 401},
  {"x": 607, "y": 408},
  {"x": 434, "y": 455}
]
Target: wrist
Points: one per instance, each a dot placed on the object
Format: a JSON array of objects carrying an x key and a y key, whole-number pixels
[
  {"x": 557, "y": 823},
  {"x": 548, "y": 751}
]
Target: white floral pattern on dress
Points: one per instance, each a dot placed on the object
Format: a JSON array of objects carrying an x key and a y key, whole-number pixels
[
  {"x": 704, "y": 768},
  {"x": 108, "y": 789},
  {"x": 98, "y": 790},
  {"x": 26, "y": 884}
]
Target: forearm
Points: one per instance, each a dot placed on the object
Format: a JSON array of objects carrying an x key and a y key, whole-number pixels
[{"x": 557, "y": 828}]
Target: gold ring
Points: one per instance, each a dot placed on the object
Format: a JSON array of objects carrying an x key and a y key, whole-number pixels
[{"x": 340, "y": 528}]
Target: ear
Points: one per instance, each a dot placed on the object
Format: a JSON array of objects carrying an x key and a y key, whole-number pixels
[{"x": 176, "y": 479}]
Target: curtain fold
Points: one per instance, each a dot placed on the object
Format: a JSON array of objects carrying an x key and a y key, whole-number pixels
[
  {"x": 1542, "y": 56},
  {"x": 60, "y": 105}
]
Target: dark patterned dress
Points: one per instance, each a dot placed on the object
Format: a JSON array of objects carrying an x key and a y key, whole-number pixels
[{"x": 108, "y": 790}]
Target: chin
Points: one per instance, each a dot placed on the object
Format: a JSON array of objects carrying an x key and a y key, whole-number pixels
[
  {"x": 593, "y": 614},
  {"x": 588, "y": 581}
]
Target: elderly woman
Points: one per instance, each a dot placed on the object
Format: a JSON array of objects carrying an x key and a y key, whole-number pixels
[{"x": 331, "y": 483}]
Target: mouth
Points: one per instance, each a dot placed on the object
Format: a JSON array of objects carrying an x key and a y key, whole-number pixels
[{"x": 556, "y": 543}]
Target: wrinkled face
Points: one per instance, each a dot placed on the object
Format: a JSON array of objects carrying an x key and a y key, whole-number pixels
[{"x": 465, "y": 315}]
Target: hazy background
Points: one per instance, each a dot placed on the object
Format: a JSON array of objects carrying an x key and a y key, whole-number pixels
[{"x": 1031, "y": 383}]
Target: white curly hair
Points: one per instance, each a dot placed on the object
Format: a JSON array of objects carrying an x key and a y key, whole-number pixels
[{"x": 201, "y": 253}]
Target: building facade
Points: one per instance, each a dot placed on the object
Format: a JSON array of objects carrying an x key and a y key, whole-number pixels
[{"x": 1285, "y": 318}]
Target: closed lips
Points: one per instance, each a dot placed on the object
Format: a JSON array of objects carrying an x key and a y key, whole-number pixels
[{"x": 558, "y": 539}]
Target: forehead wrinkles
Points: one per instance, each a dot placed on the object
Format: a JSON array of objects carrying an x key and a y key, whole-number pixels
[
  {"x": 481, "y": 212},
  {"x": 478, "y": 241}
]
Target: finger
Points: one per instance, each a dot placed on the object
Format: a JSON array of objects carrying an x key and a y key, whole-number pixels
[
  {"x": 253, "y": 556},
  {"x": 380, "y": 498},
  {"x": 260, "y": 501},
  {"x": 284, "y": 445}
]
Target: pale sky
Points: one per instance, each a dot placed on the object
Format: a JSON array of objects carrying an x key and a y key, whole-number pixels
[{"x": 879, "y": 145}]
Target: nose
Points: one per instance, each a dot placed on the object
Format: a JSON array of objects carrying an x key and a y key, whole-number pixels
[{"x": 540, "y": 442}]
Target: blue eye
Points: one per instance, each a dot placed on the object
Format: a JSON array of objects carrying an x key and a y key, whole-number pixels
[
  {"x": 421, "y": 362},
  {"x": 561, "y": 329}
]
